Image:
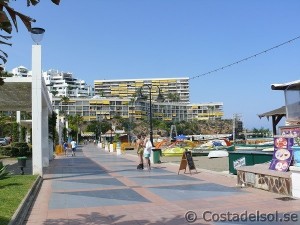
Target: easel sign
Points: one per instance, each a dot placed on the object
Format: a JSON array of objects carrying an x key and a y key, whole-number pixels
[{"x": 187, "y": 160}]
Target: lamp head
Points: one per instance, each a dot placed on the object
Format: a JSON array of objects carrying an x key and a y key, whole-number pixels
[
  {"x": 141, "y": 97},
  {"x": 37, "y": 34},
  {"x": 160, "y": 98}
]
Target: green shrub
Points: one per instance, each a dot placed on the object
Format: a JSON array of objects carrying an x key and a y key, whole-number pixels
[
  {"x": 5, "y": 150},
  {"x": 19, "y": 144},
  {"x": 16, "y": 149},
  {"x": 23, "y": 151}
]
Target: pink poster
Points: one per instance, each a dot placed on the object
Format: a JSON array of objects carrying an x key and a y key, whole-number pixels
[
  {"x": 283, "y": 154},
  {"x": 290, "y": 130}
]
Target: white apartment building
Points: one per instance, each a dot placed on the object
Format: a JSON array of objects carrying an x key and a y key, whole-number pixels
[
  {"x": 20, "y": 71},
  {"x": 173, "y": 89},
  {"x": 60, "y": 83},
  {"x": 64, "y": 84}
]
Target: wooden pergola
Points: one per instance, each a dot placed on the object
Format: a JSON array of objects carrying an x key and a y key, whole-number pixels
[{"x": 276, "y": 115}]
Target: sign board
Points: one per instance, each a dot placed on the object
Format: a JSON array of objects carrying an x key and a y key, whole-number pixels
[
  {"x": 283, "y": 153},
  {"x": 190, "y": 161},
  {"x": 239, "y": 162},
  {"x": 187, "y": 161}
]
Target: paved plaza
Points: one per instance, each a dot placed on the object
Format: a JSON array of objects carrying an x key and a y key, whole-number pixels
[{"x": 97, "y": 187}]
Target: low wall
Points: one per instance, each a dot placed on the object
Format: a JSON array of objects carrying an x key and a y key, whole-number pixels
[{"x": 260, "y": 176}]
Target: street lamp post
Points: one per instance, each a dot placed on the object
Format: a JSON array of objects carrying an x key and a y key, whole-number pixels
[
  {"x": 160, "y": 98},
  {"x": 98, "y": 128},
  {"x": 40, "y": 158},
  {"x": 111, "y": 139},
  {"x": 111, "y": 145},
  {"x": 100, "y": 132},
  {"x": 130, "y": 120}
]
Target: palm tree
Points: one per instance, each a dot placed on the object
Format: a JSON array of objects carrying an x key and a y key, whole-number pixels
[
  {"x": 75, "y": 124},
  {"x": 54, "y": 92},
  {"x": 101, "y": 93},
  {"x": 64, "y": 99},
  {"x": 173, "y": 97}
]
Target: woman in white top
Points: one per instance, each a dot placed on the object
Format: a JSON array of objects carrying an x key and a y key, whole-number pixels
[{"x": 147, "y": 152}]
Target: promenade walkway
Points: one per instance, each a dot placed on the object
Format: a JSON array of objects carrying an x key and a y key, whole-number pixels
[{"x": 97, "y": 187}]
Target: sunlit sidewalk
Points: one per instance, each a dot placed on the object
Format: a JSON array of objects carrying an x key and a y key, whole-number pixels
[{"x": 97, "y": 187}]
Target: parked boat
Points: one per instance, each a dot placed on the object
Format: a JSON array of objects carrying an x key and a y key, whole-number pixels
[
  {"x": 260, "y": 146},
  {"x": 218, "y": 154},
  {"x": 176, "y": 151},
  {"x": 210, "y": 146},
  {"x": 177, "y": 148}
]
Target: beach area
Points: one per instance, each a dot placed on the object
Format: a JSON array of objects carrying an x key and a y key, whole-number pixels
[{"x": 201, "y": 162}]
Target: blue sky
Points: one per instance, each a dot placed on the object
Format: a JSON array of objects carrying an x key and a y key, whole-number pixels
[{"x": 120, "y": 39}]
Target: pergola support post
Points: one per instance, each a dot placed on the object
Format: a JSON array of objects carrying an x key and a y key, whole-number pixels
[{"x": 37, "y": 112}]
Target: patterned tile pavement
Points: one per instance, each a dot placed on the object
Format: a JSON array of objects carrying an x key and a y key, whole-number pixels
[{"x": 97, "y": 187}]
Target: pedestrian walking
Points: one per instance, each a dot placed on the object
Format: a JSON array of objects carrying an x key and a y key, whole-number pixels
[
  {"x": 147, "y": 152},
  {"x": 73, "y": 146},
  {"x": 65, "y": 145},
  {"x": 140, "y": 150}
]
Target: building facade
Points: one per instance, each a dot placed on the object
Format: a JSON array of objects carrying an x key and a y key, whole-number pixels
[
  {"x": 100, "y": 108},
  {"x": 173, "y": 89},
  {"x": 59, "y": 83},
  {"x": 119, "y": 98},
  {"x": 64, "y": 84}
]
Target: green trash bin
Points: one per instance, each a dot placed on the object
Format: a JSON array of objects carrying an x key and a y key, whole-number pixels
[
  {"x": 156, "y": 155},
  {"x": 22, "y": 163},
  {"x": 248, "y": 157}
]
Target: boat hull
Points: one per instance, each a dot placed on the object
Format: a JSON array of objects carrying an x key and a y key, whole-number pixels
[{"x": 218, "y": 154}]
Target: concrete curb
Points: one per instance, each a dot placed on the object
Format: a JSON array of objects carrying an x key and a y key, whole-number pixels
[{"x": 22, "y": 211}]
